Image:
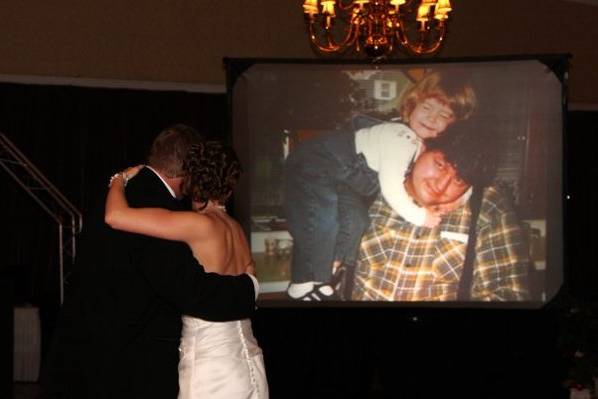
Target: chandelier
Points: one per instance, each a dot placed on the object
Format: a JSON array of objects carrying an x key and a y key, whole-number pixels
[{"x": 377, "y": 27}]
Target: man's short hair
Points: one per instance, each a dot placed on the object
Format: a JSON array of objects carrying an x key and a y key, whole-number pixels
[
  {"x": 469, "y": 149},
  {"x": 170, "y": 148}
]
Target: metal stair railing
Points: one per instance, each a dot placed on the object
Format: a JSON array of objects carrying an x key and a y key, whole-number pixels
[{"x": 57, "y": 206}]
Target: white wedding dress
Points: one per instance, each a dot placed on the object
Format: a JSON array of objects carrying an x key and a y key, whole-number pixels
[{"x": 220, "y": 360}]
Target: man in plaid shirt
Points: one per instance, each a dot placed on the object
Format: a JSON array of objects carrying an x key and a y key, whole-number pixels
[{"x": 399, "y": 261}]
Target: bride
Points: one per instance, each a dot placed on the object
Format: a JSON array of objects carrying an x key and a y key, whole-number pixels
[{"x": 217, "y": 359}]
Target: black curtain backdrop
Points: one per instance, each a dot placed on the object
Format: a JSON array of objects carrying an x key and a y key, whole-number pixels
[
  {"x": 581, "y": 210},
  {"x": 79, "y": 136}
]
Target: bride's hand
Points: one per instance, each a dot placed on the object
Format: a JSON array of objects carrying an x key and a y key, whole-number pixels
[
  {"x": 132, "y": 171},
  {"x": 125, "y": 175}
]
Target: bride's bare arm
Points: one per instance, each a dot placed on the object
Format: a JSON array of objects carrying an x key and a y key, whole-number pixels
[{"x": 155, "y": 222}]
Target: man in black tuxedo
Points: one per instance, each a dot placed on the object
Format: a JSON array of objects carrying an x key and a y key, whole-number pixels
[{"x": 119, "y": 329}]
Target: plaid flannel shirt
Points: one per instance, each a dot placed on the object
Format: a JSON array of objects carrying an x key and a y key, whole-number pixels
[{"x": 399, "y": 261}]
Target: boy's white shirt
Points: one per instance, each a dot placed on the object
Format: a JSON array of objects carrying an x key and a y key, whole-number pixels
[{"x": 389, "y": 149}]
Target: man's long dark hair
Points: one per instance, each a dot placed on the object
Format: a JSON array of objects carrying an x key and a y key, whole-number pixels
[{"x": 470, "y": 150}]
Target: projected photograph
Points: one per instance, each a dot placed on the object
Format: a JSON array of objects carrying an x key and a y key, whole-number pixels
[{"x": 416, "y": 183}]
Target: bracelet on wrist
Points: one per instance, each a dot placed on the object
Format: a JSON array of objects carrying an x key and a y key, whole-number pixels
[{"x": 123, "y": 175}]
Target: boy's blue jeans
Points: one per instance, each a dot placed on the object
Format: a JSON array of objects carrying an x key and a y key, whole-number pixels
[{"x": 328, "y": 190}]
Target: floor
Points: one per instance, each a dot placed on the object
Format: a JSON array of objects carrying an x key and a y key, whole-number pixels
[
  {"x": 26, "y": 390},
  {"x": 32, "y": 391}
]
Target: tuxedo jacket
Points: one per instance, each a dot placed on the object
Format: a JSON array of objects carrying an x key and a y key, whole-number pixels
[{"x": 119, "y": 330}]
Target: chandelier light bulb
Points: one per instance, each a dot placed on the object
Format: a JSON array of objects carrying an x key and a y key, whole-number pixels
[
  {"x": 310, "y": 7},
  {"x": 328, "y": 7}
]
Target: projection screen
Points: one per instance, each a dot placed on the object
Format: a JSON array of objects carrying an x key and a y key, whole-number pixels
[{"x": 363, "y": 181}]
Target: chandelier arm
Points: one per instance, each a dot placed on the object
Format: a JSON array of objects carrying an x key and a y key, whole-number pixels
[
  {"x": 391, "y": 46},
  {"x": 401, "y": 36},
  {"x": 314, "y": 41},
  {"x": 435, "y": 46},
  {"x": 418, "y": 48},
  {"x": 347, "y": 40},
  {"x": 352, "y": 40}
]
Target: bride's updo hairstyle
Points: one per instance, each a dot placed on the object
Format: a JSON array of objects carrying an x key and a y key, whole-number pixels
[{"x": 212, "y": 170}]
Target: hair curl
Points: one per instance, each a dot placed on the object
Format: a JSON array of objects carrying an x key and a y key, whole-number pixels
[{"x": 212, "y": 170}]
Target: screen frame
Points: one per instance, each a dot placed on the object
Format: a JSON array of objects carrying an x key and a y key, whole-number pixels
[{"x": 557, "y": 63}]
